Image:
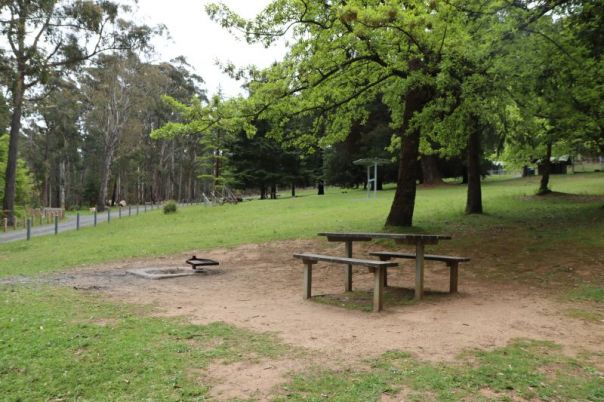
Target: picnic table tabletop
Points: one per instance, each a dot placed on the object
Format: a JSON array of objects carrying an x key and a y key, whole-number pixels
[{"x": 412, "y": 238}]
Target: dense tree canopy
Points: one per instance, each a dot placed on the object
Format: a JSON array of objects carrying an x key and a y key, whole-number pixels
[{"x": 435, "y": 64}]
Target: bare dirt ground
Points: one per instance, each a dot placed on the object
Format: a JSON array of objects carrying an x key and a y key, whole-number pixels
[{"x": 259, "y": 287}]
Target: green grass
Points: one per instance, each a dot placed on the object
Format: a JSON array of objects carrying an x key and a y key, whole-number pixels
[
  {"x": 56, "y": 344},
  {"x": 588, "y": 293},
  {"x": 530, "y": 370},
  {"x": 543, "y": 221},
  {"x": 59, "y": 344}
]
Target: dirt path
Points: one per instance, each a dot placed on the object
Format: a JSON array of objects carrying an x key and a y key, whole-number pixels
[{"x": 259, "y": 287}]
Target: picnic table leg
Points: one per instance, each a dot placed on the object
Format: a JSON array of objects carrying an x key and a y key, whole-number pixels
[
  {"x": 419, "y": 270},
  {"x": 307, "y": 279},
  {"x": 348, "y": 269},
  {"x": 385, "y": 258},
  {"x": 453, "y": 279},
  {"x": 378, "y": 289}
]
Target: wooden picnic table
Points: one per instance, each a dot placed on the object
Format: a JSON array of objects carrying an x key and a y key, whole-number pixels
[{"x": 419, "y": 240}]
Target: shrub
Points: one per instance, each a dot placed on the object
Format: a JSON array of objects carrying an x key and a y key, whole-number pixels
[{"x": 170, "y": 207}]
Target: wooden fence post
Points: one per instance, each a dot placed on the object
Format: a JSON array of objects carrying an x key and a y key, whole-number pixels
[
  {"x": 95, "y": 218},
  {"x": 28, "y": 229},
  {"x": 5, "y": 224},
  {"x": 78, "y": 221},
  {"x": 56, "y": 224}
]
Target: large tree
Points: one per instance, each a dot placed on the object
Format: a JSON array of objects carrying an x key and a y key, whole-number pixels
[
  {"x": 47, "y": 38},
  {"x": 347, "y": 53}
]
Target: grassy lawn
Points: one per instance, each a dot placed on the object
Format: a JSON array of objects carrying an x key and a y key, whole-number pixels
[
  {"x": 61, "y": 344},
  {"x": 507, "y": 203},
  {"x": 57, "y": 344}
]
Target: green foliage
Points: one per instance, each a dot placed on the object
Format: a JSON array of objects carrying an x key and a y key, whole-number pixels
[
  {"x": 24, "y": 181},
  {"x": 58, "y": 344},
  {"x": 170, "y": 207}
]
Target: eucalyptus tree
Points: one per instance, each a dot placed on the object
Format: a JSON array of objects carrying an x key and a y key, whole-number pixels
[
  {"x": 344, "y": 54},
  {"x": 112, "y": 93},
  {"x": 47, "y": 38},
  {"x": 53, "y": 143}
]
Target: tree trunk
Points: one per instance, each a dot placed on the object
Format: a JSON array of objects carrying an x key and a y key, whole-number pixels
[
  {"x": 273, "y": 192},
  {"x": 293, "y": 190},
  {"x": 430, "y": 172},
  {"x": 474, "y": 199},
  {"x": 105, "y": 175},
  {"x": 401, "y": 211},
  {"x": 546, "y": 168},
  {"x": 62, "y": 184},
  {"x": 10, "y": 177}
]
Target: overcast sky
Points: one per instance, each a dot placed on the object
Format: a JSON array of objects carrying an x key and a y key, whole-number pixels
[{"x": 202, "y": 41}]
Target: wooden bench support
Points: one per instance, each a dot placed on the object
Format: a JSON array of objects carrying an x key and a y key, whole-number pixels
[
  {"x": 377, "y": 267},
  {"x": 307, "y": 279},
  {"x": 452, "y": 263},
  {"x": 378, "y": 289},
  {"x": 453, "y": 276},
  {"x": 419, "y": 271},
  {"x": 348, "y": 269}
]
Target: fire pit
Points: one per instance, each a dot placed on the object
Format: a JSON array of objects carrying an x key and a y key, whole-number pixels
[
  {"x": 161, "y": 273},
  {"x": 168, "y": 272}
]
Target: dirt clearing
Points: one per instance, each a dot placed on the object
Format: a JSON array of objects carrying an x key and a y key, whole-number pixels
[{"x": 259, "y": 287}]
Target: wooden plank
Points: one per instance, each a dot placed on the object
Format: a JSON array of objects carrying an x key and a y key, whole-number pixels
[
  {"x": 385, "y": 255},
  {"x": 345, "y": 260},
  {"x": 419, "y": 271},
  {"x": 378, "y": 289},
  {"x": 348, "y": 269},
  {"x": 384, "y": 258},
  {"x": 399, "y": 237},
  {"x": 453, "y": 279},
  {"x": 307, "y": 280}
]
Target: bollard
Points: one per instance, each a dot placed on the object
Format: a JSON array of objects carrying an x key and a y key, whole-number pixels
[
  {"x": 129, "y": 210},
  {"x": 56, "y": 225},
  {"x": 108, "y": 215},
  {"x": 94, "y": 218},
  {"x": 28, "y": 229},
  {"x": 78, "y": 221},
  {"x": 119, "y": 212},
  {"x": 145, "y": 207},
  {"x": 137, "y": 209}
]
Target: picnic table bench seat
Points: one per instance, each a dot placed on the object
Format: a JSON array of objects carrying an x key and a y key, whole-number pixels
[
  {"x": 378, "y": 267},
  {"x": 451, "y": 261}
]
